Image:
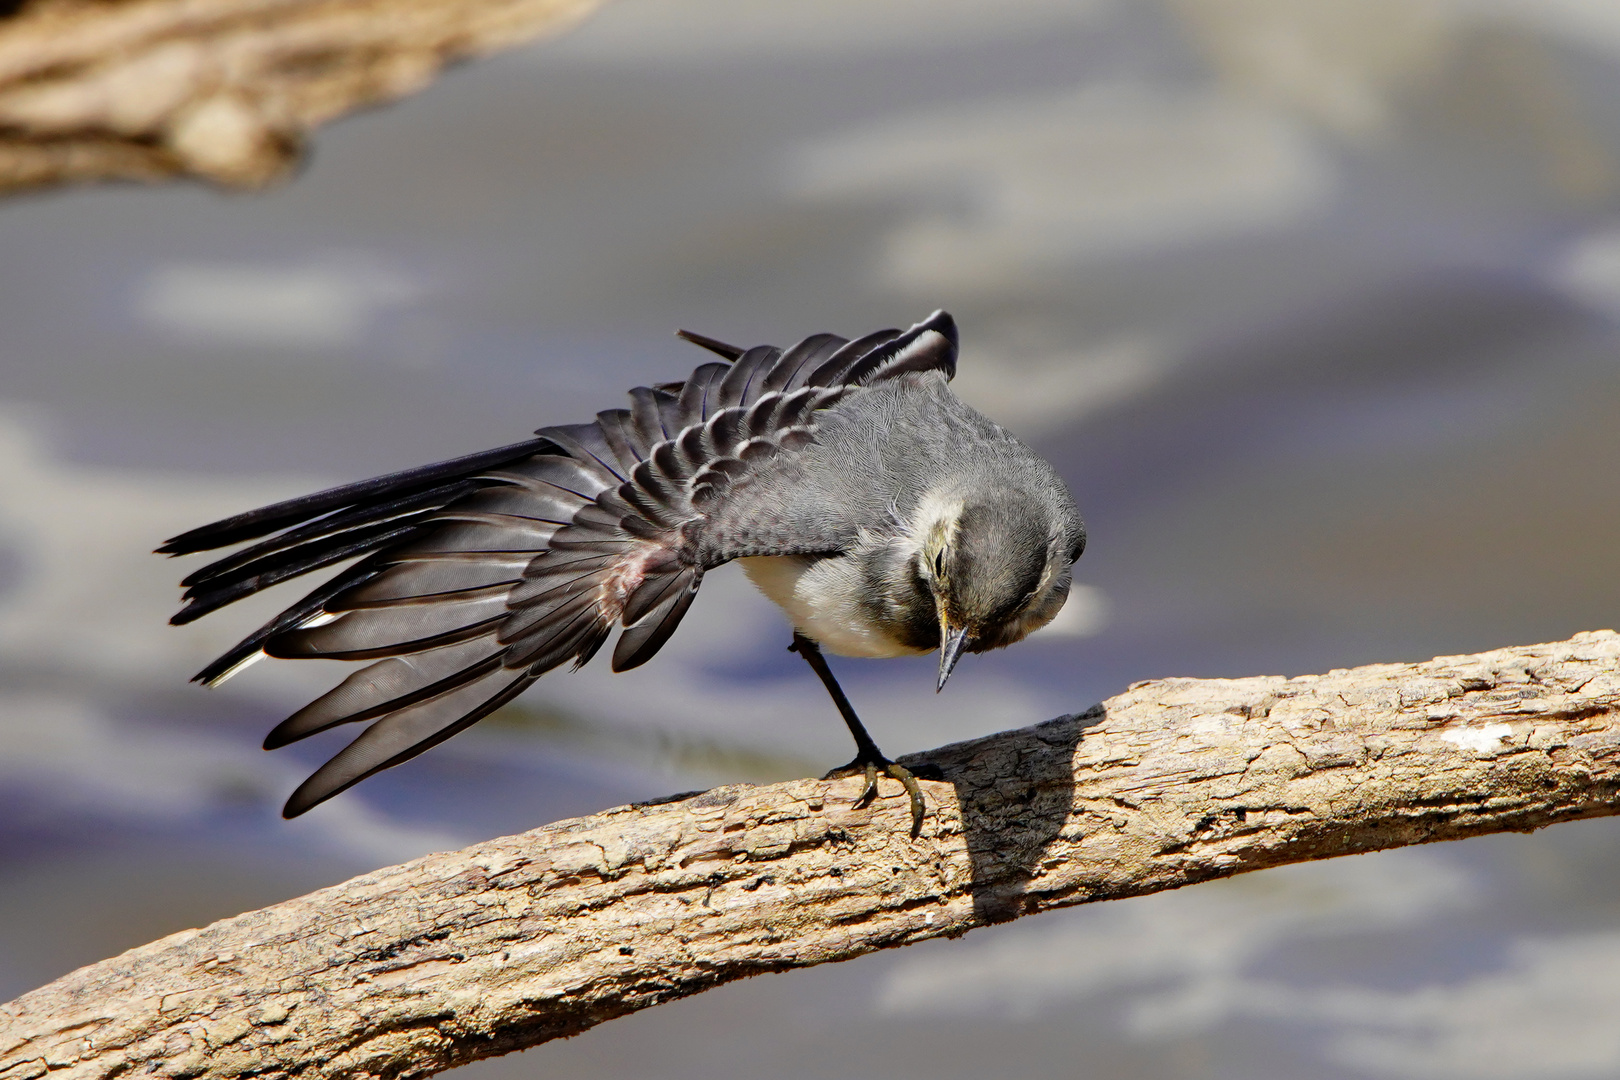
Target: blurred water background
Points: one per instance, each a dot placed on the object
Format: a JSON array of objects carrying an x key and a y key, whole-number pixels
[{"x": 1313, "y": 303}]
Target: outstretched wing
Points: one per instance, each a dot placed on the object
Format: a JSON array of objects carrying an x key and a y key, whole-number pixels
[{"x": 477, "y": 576}]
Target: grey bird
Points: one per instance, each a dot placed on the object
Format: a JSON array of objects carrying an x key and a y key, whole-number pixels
[{"x": 881, "y": 513}]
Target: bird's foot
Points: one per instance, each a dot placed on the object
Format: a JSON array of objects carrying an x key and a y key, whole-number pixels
[{"x": 871, "y": 764}]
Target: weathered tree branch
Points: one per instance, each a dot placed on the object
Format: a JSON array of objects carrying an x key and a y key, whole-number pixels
[
  {"x": 507, "y": 944},
  {"x": 225, "y": 90}
]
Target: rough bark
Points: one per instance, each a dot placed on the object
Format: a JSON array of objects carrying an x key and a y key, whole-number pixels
[
  {"x": 224, "y": 90},
  {"x": 507, "y": 944}
]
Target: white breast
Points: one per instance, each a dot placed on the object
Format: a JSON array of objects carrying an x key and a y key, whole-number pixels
[{"x": 822, "y": 597}]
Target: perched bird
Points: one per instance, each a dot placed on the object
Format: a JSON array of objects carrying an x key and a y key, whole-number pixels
[{"x": 881, "y": 513}]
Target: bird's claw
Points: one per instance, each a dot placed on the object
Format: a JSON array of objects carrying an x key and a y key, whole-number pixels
[{"x": 870, "y": 765}]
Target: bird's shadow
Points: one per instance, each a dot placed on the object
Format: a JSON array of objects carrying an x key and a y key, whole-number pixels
[{"x": 1016, "y": 794}]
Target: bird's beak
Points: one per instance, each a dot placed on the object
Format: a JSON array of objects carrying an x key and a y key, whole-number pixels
[{"x": 950, "y": 650}]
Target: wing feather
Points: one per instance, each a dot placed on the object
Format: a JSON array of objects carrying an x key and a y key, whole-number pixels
[
  {"x": 268, "y": 519},
  {"x": 292, "y": 563},
  {"x": 402, "y": 735},
  {"x": 388, "y": 685},
  {"x": 301, "y": 612},
  {"x": 334, "y": 526},
  {"x": 373, "y": 633},
  {"x": 655, "y": 622}
]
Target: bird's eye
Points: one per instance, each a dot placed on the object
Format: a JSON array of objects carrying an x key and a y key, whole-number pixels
[{"x": 939, "y": 563}]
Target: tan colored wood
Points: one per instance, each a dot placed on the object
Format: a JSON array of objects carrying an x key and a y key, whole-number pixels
[
  {"x": 224, "y": 90},
  {"x": 472, "y": 953}
]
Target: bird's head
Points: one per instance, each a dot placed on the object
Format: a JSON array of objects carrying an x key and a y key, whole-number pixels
[{"x": 997, "y": 564}]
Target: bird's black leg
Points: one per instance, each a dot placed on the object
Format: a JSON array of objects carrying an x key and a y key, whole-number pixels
[{"x": 867, "y": 756}]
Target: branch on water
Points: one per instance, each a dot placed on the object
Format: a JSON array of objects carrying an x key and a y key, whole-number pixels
[
  {"x": 504, "y": 945},
  {"x": 223, "y": 90}
]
